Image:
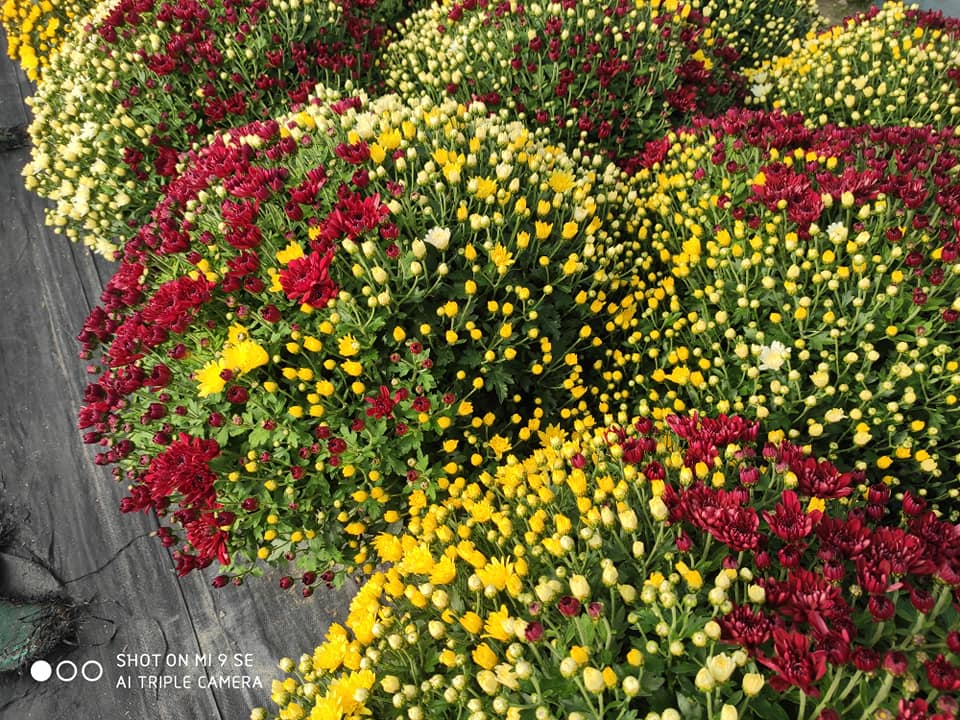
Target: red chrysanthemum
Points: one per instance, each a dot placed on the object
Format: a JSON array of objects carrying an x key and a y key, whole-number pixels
[
  {"x": 794, "y": 663},
  {"x": 307, "y": 279}
]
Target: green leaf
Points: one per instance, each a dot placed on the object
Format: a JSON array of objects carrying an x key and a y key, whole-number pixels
[
  {"x": 769, "y": 711},
  {"x": 689, "y": 707}
]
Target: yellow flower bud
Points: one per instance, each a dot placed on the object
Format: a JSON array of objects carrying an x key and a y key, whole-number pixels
[
  {"x": 593, "y": 680},
  {"x": 752, "y": 684}
]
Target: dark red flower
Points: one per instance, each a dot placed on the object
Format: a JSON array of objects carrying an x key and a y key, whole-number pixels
[
  {"x": 569, "y": 606},
  {"x": 942, "y": 674},
  {"x": 915, "y": 709},
  {"x": 881, "y": 607},
  {"x": 794, "y": 663},
  {"x": 720, "y": 513},
  {"x": 789, "y": 521},
  {"x": 172, "y": 306},
  {"x": 745, "y": 626},
  {"x": 866, "y": 659},
  {"x": 815, "y": 478},
  {"x": 806, "y": 596},
  {"x": 896, "y": 663},
  {"x": 184, "y": 468},
  {"x": 307, "y": 279},
  {"x": 921, "y": 599},
  {"x": 533, "y": 631},
  {"x": 381, "y": 406},
  {"x": 354, "y": 154},
  {"x": 842, "y": 538},
  {"x": 207, "y": 537},
  {"x": 706, "y": 436},
  {"x": 237, "y": 394}
]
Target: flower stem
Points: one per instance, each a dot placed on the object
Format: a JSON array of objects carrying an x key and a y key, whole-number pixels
[
  {"x": 880, "y": 696},
  {"x": 854, "y": 681},
  {"x": 829, "y": 693}
]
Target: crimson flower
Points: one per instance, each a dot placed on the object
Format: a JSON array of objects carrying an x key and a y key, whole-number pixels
[
  {"x": 569, "y": 606},
  {"x": 184, "y": 468},
  {"x": 815, "y": 478},
  {"x": 794, "y": 663},
  {"x": 789, "y": 522},
  {"x": 382, "y": 405},
  {"x": 806, "y": 596},
  {"x": 942, "y": 674},
  {"x": 307, "y": 279},
  {"x": 745, "y": 626},
  {"x": 722, "y": 514},
  {"x": 209, "y": 540}
]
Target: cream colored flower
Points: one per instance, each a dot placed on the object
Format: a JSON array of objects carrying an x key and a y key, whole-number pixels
[{"x": 773, "y": 356}]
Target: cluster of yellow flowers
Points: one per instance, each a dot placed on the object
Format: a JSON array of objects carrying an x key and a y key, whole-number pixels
[
  {"x": 36, "y": 30},
  {"x": 759, "y": 31},
  {"x": 536, "y": 574},
  {"x": 826, "y": 315},
  {"x": 474, "y": 281},
  {"x": 882, "y": 67}
]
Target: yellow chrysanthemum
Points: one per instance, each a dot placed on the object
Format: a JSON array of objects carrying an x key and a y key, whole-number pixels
[
  {"x": 244, "y": 356},
  {"x": 388, "y": 547},
  {"x": 348, "y": 345},
  {"x": 500, "y": 573},
  {"x": 293, "y": 251},
  {"x": 501, "y": 257},
  {"x": 352, "y": 368},
  {"x": 329, "y": 655},
  {"x": 497, "y": 625},
  {"x": 499, "y": 445},
  {"x": 209, "y": 378}
]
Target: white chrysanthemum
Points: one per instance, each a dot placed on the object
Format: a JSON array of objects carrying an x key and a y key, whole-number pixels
[
  {"x": 774, "y": 355},
  {"x": 438, "y": 237}
]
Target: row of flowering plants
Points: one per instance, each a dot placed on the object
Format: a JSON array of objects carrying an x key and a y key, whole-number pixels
[
  {"x": 676, "y": 569},
  {"x": 812, "y": 278},
  {"x": 889, "y": 65},
  {"x": 330, "y": 313},
  {"x": 602, "y": 76},
  {"x": 143, "y": 81},
  {"x": 342, "y": 322}
]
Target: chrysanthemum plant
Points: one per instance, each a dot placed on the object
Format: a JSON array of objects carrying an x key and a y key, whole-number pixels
[
  {"x": 677, "y": 570},
  {"x": 145, "y": 80},
  {"x": 812, "y": 277},
  {"x": 332, "y": 314},
  {"x": 35, "y": 30},
  {"x": 602, "y": 76},
  {"x": 892, "y": 66},
  {"x": 760, "y": 30}
]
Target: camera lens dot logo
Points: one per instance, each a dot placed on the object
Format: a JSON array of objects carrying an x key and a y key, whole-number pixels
[
  {"x": 41, "y": 671},
  {"x": 66, "y": 671}
]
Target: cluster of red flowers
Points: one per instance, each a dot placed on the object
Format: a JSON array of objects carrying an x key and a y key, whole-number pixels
[
  {"x": 183, "y": 470},
  {"x": 133, "y": 325},
  {"x": 826, "y": 574}
]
